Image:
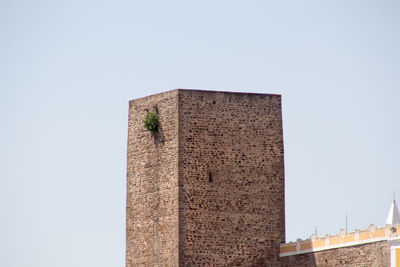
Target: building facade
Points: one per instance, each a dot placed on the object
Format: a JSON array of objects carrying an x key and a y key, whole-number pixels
[{"x": 375, "y": 246}]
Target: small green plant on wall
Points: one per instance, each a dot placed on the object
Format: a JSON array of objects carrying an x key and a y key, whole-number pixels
[{"x": 151, "y": 122}]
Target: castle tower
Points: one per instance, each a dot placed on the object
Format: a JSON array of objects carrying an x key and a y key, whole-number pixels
[{"x": 207, "y": 189}]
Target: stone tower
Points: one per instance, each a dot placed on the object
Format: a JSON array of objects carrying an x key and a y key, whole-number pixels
[{"x": 208, "y": 188}]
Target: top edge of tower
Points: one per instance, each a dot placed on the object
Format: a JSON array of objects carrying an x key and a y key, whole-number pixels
[{"x": 204, "y": 91}]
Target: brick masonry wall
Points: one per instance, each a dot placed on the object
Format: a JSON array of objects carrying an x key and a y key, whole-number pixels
[
  {"x": 368, "y": 255},
  {"x": 152, "y": 184},
  {"x": 231, "y": 179}
]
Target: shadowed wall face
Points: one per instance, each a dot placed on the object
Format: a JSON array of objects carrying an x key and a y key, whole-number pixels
[
  {"x": 231, "y": 178},
  {"x": 152, "y": 184},
  {"x": 208, "y": 188}
]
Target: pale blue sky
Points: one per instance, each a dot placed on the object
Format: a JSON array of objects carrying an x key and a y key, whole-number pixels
[{"x": 68, "y": 69}]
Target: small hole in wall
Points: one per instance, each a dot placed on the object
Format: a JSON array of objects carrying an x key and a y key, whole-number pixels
[{"x": 210, "y": 179}]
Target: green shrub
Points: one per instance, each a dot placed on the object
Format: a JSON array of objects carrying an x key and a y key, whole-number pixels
[{"x": 151, "y": 122}]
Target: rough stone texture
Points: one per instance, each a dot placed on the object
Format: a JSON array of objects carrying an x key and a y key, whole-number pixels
[
  {"x": 152, "y": 184},
  {"x": 372, "y": 255},
  {"x": 208, "y": 189},
  {"x": 231, "y": 179}
]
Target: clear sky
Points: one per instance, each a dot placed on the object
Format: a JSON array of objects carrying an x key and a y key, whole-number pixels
[{"x": 68, "y": 69}]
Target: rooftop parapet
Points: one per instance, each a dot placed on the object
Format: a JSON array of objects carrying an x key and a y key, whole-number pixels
[{"x": 343, "y": 239}]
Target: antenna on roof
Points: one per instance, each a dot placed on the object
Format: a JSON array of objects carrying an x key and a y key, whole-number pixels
[
  {"x": 315, "y": 231},
  {"x": 346, "y": 221}
]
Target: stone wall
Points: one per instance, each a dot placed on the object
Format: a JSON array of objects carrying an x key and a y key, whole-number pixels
[
  {"x": 208, "y": 188},
  {"x": 152, "y": 184},
  {"x": 231, "y": 179},
  {"x": 375, "y": 254}
]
